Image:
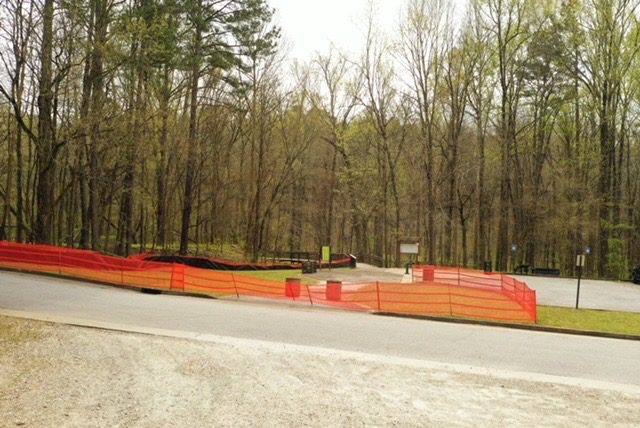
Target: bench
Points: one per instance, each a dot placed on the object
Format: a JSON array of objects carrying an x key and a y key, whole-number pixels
[
  {"x": 523, "y": 270},
  {"x": 545, "y": 271}
]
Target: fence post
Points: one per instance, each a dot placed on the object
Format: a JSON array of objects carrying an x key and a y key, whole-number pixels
[
  {"x": 449, "y": 295},
  {"x": 378, "y": 293},
  {"x": 235, "y": 286},
  {"x": 177, "y": 276},
  {"x": 59, "y": 261},
  {"x": 309, "y": 294}
]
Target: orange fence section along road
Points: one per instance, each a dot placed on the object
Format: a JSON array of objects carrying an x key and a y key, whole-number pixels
[{"x": 435, "y": 291}]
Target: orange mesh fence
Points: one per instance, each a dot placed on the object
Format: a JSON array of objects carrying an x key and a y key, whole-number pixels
[
  {"x": 496, "y": 283},
  {"x": 357, "y": 297},
  {"x": 89, "y": 265},
  {"x": 436, "y": 292}
]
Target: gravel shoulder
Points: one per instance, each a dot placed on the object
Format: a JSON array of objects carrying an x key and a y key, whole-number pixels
[{"x": 58, "y": 375}]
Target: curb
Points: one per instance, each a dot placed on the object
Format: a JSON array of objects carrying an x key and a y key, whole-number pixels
[{"x": 528, "y": 327}]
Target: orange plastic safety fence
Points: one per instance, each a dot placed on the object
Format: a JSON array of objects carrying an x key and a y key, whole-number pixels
[
  {"x": 497, "y": 283},
  {"x": 447, "y": 292}
]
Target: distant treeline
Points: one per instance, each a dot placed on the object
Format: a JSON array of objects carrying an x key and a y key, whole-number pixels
[{"x": 171, "y": 124}]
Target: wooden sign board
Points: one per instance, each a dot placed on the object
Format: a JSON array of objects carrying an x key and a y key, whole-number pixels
[{"x": 410, "y": 248}]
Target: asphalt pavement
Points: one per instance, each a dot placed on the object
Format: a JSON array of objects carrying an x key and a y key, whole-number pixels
[
  {"x": 594, "y": 294},
  {"x": 577, "y": 357}
]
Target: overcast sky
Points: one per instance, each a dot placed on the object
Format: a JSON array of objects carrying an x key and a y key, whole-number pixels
[{"x": 310, "y": 26}]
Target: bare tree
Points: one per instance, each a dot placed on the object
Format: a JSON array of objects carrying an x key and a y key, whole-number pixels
[
  {"x": 379, "y": 98},
  {"x": 423, "y": 35}
]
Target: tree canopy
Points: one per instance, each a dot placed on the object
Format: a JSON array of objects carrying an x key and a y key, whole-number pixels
[{"x": 178, "y": 125}]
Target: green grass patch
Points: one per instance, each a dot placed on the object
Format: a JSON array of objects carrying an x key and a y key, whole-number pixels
[
  {"x": 277, "y": 275},
  {"x": 590, "y": 320}
]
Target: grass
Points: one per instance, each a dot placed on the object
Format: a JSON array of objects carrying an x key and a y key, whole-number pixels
[
  {"x": 590, "y": 320},
  {"x": 277, "y": 275}
]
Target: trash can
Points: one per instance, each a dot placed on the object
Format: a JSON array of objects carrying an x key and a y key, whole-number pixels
[
  {"x": 334, "y": 291},
  {"x": 488, "y": 266},
  {"x": 354, "y": 261},
  {"x": 429, "y": 273},
  {"x": 309, "y": 267},
  {"x": 292, "y": 287},
  {"x": 635, "y": 275}
]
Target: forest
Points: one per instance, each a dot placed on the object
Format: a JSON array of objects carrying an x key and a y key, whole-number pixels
[{"x": 508, "y": 134}]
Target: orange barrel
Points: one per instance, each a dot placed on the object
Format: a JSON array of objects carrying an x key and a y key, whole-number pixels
[
  {"x": 334, "y": 290},
  {"x": 428, "y": 273},
  {"x": 292, "y": 287}
]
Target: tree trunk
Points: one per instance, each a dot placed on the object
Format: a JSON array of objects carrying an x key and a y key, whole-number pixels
[
  {"x": 46, "y": 156},
  {"x": 96, "y": 80},
  {"x": 192, "y": 149},
  {"x": 161, "y": 167}
]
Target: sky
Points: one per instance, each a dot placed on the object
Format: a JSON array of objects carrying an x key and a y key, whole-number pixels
[{"x": 311, "y": 26}]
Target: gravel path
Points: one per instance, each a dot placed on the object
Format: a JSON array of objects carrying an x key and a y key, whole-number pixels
[{"x": 56, "y": 375}]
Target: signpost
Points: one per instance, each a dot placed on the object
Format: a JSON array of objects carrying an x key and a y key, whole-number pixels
[
  {"x": 411, "y": 249},
  {"x": 580, "y": 262}
]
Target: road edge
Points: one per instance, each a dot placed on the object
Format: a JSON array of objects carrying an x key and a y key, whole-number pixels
[{"x": 528, "y": 327}]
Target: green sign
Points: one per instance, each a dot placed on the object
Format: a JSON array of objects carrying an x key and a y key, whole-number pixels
[{"x": 326, "y": 254}]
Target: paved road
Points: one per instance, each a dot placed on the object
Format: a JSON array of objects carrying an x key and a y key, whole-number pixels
[
  {"x": 589, "y": 358},
  {"x": 609, "y": 295},
  {"x": 363, "y": 273}
]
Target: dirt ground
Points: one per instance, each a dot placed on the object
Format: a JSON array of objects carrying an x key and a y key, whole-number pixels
[{"x": 63, "y": 376}]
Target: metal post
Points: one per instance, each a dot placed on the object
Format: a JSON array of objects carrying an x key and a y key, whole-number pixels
[
  {"x": 233, "y": 278},
  {"x": 309, "y": 294},
  {"x": 578, "y": 293}
]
